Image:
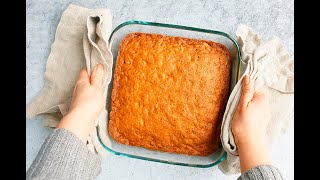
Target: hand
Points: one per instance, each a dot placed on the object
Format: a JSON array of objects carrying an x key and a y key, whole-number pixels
[
  {"x": 252, "y": 115},
  {"x": 86, "y": 104},
  {"x": 249, "y": 126}
]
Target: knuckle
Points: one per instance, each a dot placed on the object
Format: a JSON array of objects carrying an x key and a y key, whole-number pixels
[{"x": 246, "y": 90}]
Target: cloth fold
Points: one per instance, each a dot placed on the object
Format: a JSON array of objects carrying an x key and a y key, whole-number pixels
[
  {"x": 81, "y": 40},
  {"x": 270, "y": 67}
]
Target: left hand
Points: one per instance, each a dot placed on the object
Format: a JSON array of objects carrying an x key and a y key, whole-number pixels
[{"x": 86, "y": 104}]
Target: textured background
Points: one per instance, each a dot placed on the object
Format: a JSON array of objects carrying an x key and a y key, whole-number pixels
[{"x": 268, "y": 18}]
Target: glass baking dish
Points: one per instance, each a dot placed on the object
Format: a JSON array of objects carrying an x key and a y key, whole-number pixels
[{"x": 173, "y": 30}]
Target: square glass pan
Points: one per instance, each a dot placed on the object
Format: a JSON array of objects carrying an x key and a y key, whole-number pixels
[{"x": 173, "y": 30}]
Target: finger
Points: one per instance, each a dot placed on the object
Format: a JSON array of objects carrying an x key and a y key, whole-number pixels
[
  {"x": 97, "y": 75},
  {"x": 83, "y": 75},
  {"x": 83, "y": 78},
  {"x": 247, "y": 91}
]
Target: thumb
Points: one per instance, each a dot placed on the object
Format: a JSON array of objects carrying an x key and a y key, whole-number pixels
[
  {"x": 97, "y": 76},
  {"x": 247, "y": 91}
]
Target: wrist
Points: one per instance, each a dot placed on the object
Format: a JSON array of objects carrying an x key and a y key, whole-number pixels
[
  {"x": 249, "y": 140},
  {"x": 252, "y": 154},
  {"x": 77, "y": 123}
]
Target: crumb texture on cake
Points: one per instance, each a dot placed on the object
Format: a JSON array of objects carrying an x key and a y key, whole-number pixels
[{"x": 169, "y": 93}]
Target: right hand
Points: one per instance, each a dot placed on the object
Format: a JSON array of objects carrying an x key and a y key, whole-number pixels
[
  {"x": 249, "y": 126},
  {"x": 252, "y": 115}
]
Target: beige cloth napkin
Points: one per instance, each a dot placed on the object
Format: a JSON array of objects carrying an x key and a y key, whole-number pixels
[
  {"x": 81, "y": 40},
  {"x": 271, "y": 68}
]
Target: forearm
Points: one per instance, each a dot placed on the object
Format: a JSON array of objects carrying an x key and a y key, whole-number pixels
[
  {"x": 255, "y": 162},
  {"x": 64, "y": 156},
  {"x": 78, "y": 124}
]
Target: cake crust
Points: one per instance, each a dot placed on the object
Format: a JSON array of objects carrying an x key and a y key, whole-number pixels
[{"x": 169, "y": 93}]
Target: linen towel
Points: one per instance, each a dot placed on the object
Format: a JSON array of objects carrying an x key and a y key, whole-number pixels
[
  {"x": 270, "y": 67},
  {"x": 81, "y": 40}
]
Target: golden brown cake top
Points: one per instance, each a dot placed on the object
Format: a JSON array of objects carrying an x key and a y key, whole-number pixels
[{"x": 169, "y": 93}]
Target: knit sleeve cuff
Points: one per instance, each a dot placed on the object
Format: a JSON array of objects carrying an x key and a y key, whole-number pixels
[
  {"x": 262, "y": 172},
  {"x": 64, "y": 155}
]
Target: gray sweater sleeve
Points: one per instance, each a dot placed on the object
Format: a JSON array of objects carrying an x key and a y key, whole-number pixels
[
  {"x": 263, "y": 172},
  {"x": 64, "y": 156}
]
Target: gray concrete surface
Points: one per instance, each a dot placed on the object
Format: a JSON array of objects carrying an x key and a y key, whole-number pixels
[{"x": 269, "y": 18}]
